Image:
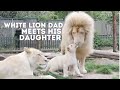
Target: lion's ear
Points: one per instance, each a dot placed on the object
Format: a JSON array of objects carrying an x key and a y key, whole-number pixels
[{"x": 27, "y": 50}]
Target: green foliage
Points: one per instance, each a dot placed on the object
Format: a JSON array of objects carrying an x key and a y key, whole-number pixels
[
  {"x": 40, "y": 71},
  {"x": 103, "y": 15},
  {"x": 61, "y": 14},
  {"x": 48, "y": 15},
  {"x": 102, "y": 42},
  {"x": 40, "y": 15},
  {"x": 97, "y": 41},
  {"x": 8, "y": 14},
  {"x": 104, "y": 70},
  {"x": 90, "y": 66},
  {"x": 52, "y": 15},
  {"x": 115, "y": 77},
  {"x": 57, "y": 76},
  {"x": 114, "y": 67}
]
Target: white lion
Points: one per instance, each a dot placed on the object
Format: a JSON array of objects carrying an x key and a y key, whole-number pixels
[
  {"x": 22, "y": 64},
  {"x": 63, "y": 62},
  {"x": 78, "y": 29}
]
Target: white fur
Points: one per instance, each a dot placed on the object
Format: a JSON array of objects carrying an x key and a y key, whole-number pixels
[
  {"x": 79, "y": 19},
  {"x": 21, "y": 64},
  {"x": 63, "y": 62}
]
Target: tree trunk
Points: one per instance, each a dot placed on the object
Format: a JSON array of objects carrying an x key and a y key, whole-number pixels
[
  {"x": 105, "y": 54},
  {"x": 96, "y": 54},
  {"x": 114, "y": 32}
]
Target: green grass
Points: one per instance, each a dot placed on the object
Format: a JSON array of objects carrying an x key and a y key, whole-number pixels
[
  {"x": 103, "y": 69},
  {"x": 57, "y": 76},
  {"x": 90, "y": 66},
  {"x": 115, "y": 77},
  {"x": 114, "y": 67}
]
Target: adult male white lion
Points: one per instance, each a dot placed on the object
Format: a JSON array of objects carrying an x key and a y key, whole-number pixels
[
  {"x": 22, "y": 64},
  {"x": 79, "y": 29}
]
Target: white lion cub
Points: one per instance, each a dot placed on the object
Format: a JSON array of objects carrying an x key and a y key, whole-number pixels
[{"x": 64, "y": 62}]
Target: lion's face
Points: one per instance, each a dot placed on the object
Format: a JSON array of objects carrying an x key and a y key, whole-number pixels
[
  {"x": 78, "y": 35},
  {"x": 71, "y": 48},
  {"x": 36, "y": 57}
]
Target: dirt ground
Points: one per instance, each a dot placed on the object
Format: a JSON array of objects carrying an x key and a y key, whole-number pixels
[
  {"x": 93, "y": 75},
  {"x": 102, "y": 61},
  {"x": 98, "y": 76}
]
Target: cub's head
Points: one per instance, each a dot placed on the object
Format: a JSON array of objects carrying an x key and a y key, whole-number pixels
[
  {"x": 71, "y": 48},
  {"x": 36, "y": 57}
]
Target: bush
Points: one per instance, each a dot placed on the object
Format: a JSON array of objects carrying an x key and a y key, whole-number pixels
[
  {"x": 97, "y": 41},
  {"x": 100, "y": 42}
]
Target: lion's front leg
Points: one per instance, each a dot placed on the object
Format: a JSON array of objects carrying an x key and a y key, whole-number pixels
[
  {"x": 82, "y": 65},
  {"x": 77, "y": 71}
]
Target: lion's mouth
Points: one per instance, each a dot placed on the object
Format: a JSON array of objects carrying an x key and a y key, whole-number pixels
[{"x": 77, "y": 45}]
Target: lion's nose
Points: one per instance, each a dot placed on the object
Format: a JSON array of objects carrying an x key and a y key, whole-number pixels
[
  {"x": 46, "y": 60},
  {"x": 76, "y": 44}
]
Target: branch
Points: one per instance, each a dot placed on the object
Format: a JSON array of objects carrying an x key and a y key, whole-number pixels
[
  {"x": 96, "y": 54},
  {"x": 105, "y": 54}
]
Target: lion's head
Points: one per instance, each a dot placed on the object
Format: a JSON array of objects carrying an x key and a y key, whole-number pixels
[{"x": 79, "y": 26}]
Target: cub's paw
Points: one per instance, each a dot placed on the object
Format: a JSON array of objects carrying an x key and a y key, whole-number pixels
[{"x": 80, "y": 75}]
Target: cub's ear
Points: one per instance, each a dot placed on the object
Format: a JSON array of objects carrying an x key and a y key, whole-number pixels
[
  {"x": 68, "y": 49},
  {"x": 27, "y": 50}
]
